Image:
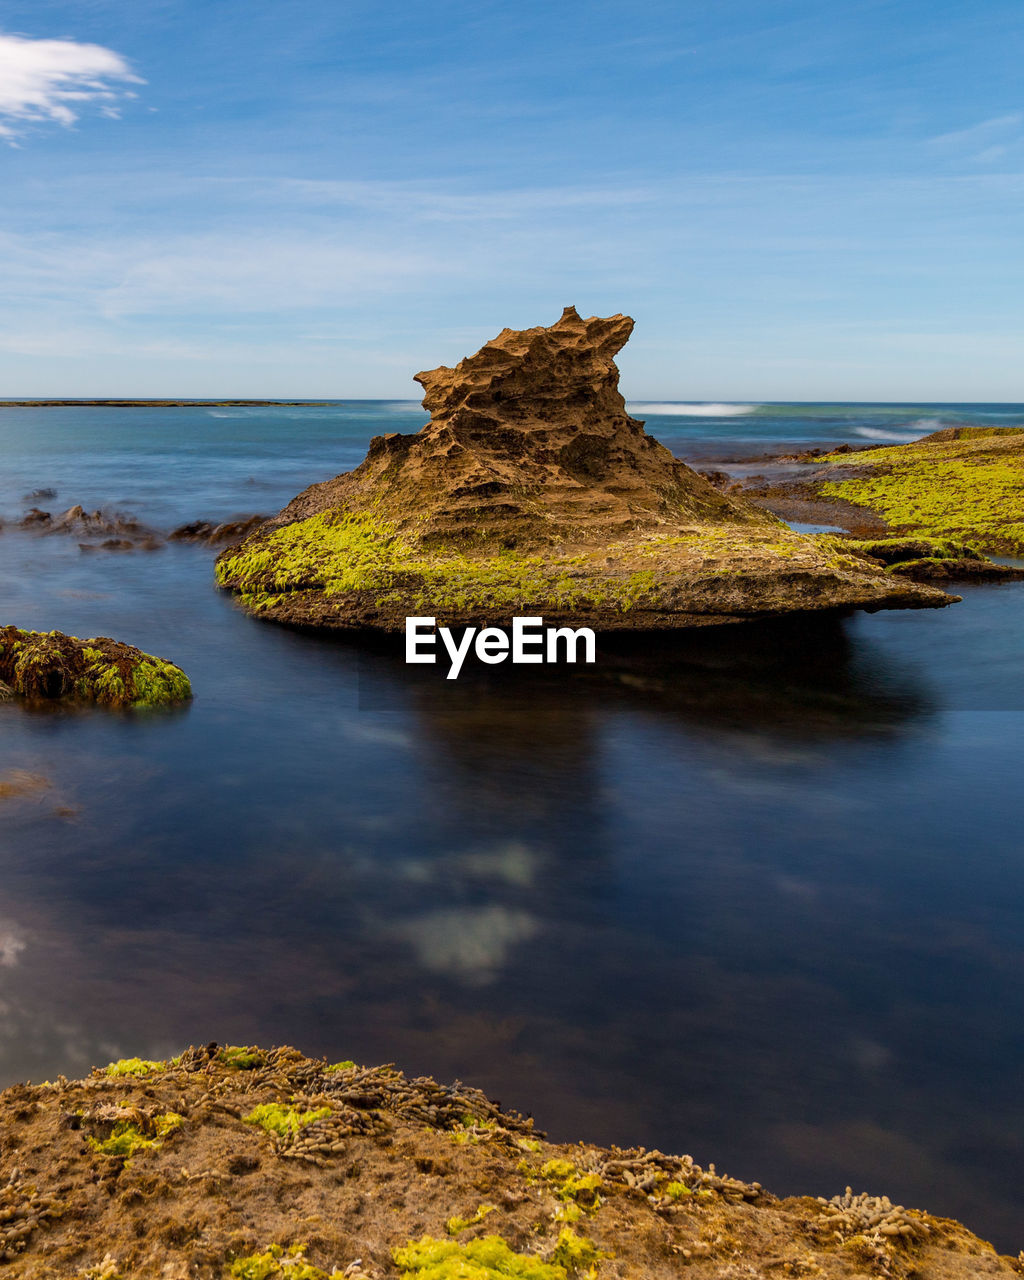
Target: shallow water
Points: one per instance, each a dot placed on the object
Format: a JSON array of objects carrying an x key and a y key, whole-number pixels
[{"x": 757, "y": 895}]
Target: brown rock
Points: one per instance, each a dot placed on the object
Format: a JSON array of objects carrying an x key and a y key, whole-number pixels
[
  {"x": 529, "y": 478},
  {"x": 207, "y": 531},
  {"x": 174, "y": 1169}
]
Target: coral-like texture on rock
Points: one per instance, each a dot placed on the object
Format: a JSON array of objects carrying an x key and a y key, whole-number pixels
[
  {"x": 158, "y": 1169},
  {"x": 531, "y": 490}
]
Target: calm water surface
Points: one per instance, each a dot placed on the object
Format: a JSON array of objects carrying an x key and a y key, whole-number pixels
[{"x": 756, "y": 895}]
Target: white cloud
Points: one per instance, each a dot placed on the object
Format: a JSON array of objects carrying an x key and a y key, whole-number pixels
[
  {"x": 984, "y": 143},
  {"x": 54, "y": 80}
]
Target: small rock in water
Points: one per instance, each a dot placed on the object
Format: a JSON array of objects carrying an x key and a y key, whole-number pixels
[
  {"x": 207, "y": 531},
  {"x": 50, "y": 665}
]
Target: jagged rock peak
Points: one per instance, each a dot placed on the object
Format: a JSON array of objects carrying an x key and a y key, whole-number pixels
[
  {"x": 529, "y": 441},
  {"x": 521, "y": 370}
]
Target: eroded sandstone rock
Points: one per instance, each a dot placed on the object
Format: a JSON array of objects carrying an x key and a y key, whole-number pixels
[{"x": 532, "y": 491}]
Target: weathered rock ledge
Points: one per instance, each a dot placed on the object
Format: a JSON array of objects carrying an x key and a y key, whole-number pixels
[
  {"x": 532, "y": 491},
  {"x": 235, "y": 1162}
]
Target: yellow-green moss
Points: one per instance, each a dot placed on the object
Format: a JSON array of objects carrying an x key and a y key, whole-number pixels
[
  {"x": 242, "y": 1057},
  {"x": 126, "y": 1137},
  {"x": 488, "y": 1259},
  {"x": 337, "y": 553},
  {"x": 897, "y": 550},
  {"x": 274, "y": 1117},
  {"x": 134, "y": 1067},
  {"x": 155, "y": 683},
  {"x": 53, "y": 665},
  {"x": 576, "y": 1252},
  {"x": 571, "y": 1185},
  {"x": 470, "y": 1131},
  {"x": 454, "y": 1225},
  {"x": 347, "y": 1065},
  {"x": 275, "y": 1261},
  {"x": 678, "y": 1191},
  {"x": 970, "y": 488}
]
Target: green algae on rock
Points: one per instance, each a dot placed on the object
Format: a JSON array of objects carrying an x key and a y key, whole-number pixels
[
  {"x": 925, "y": 559},
  {"x": 531, "y": 491},
  {"x": 963, "y": 483},
  {"x": 159, "y": 1174},
  {"x": 48, "y": 665}
]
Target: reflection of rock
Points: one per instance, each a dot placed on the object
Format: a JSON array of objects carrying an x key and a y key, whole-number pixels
[
  {"x": 532, "y": 491},
  {"x": 800, "y": 679},
  {"x": 21, "y": 784}
]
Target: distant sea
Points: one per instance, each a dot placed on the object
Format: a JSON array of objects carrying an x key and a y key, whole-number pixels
[{"x": 756, "y": 894}]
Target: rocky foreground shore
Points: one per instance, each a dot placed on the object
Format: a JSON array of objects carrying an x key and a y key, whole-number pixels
[{"x": 237, "y": 1162}]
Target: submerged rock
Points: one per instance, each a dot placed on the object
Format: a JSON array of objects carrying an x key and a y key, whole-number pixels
[
  {"x": 210, "y": 533},
  {"x": 244, "y": 1162},
  {"x": 532, "y": 491},
  {"x": 51, "y": 665},
  {"x": 122, "y": 533}
]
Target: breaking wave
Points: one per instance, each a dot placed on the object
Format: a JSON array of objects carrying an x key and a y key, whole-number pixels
[
  {"x": 696, "y": 410},
  {"x": 899, "y": 437}
]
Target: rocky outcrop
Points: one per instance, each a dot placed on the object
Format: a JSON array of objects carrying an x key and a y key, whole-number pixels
[
  {"x": 211, "y": 534},
  {"x": 964, "y": 484},
  {"x": 532, "y": 491},
  {"x": 260, "y": 1165},
  {"x": 119, "y": 532},
  {"x": 48, "y": 665}
]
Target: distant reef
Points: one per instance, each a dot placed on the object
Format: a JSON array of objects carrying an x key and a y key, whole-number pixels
[
  {"x": 238, "y": 1163},
  {"x": 531, "y": 491},
  {"x": 147, "y": 404}
]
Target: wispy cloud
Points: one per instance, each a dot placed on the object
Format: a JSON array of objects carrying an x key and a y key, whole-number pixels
[
  {"x": 985, "y": 142},
  {"x": 55, "y": 80}
]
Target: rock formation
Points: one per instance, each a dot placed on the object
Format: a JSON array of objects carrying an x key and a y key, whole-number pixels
[
  {"x": 532, "y": 491},
  {"x": 264, "y": 1165},
  {"x": 48, "y": 665}
]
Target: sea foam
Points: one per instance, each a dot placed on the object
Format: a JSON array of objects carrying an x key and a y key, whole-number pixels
[
  {"x": 695, "y": 410},
  {"x": 899, "y": 437}
]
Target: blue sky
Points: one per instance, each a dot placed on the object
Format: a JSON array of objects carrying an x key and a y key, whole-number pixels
[{"x": 794, "y": 200}]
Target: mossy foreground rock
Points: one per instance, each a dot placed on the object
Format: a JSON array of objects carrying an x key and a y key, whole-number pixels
[
  {"x": 272, "y": 1166},
  {"x": 965, "y": 483},
  {"x": 532, "y": 492},
  {"x": 50, "y": 665}
]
